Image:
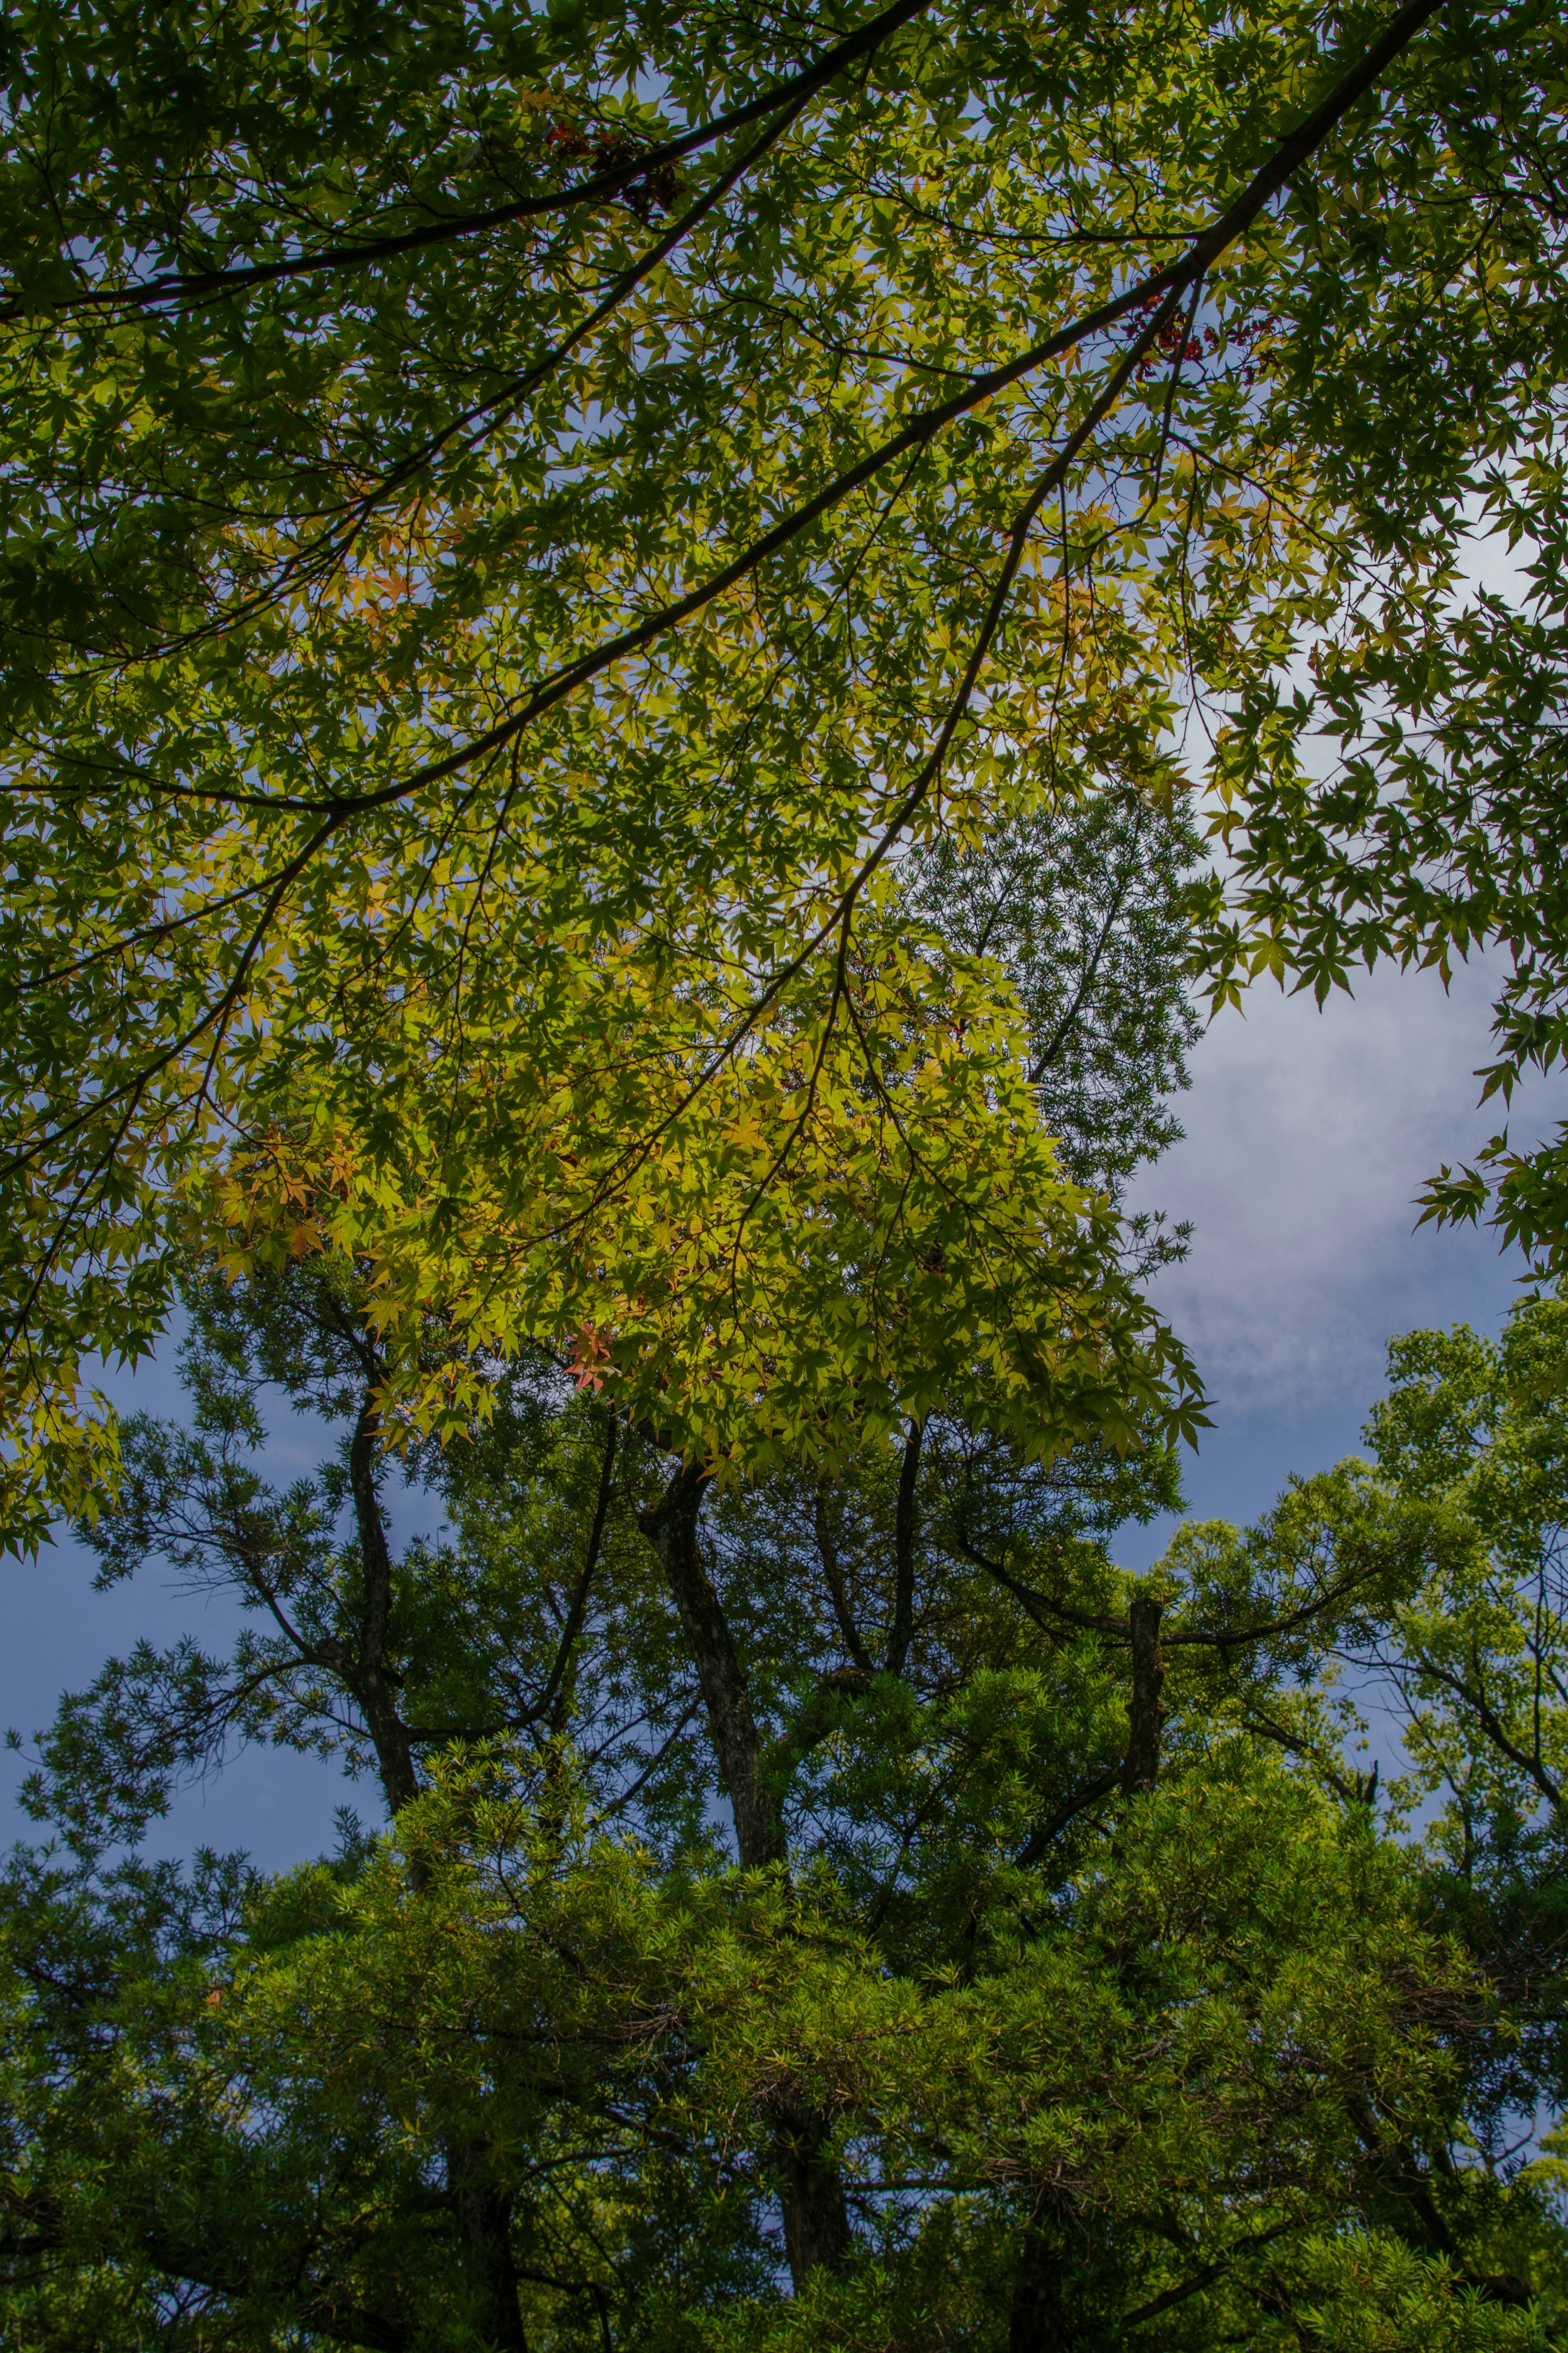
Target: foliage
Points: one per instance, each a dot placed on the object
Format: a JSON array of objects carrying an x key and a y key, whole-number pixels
[
  {"x": 616, "y": 627},
  {"x": 1393, "y": 788},
  {"x": 521, "y": 527},
  {"x": 1020, "y": 2050}
]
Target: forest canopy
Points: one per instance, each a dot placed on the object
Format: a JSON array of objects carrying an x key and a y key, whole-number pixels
[{"x": 652, "y": 663}]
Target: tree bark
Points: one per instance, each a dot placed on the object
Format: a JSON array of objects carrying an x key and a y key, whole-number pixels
[
  {"x": 904, "y": 1553},
  {"x": 811, "y": 2189},
  {"x": 838, "y": 1593},
  {"x": 1140, "y": 1769},
  {"x": 1037, "y": 2321},
  {"x": 484, "y": 2220},
  {"x": 816, "y": 2217},
  {"x": 671, "y": 1529},
  {"x": 377, "y": 1701}
]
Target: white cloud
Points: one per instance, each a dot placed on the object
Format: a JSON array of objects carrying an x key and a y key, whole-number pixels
[{"x": 1309, "y": 1136}]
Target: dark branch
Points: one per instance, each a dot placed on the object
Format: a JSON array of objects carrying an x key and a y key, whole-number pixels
[
  {"x": 904, "y": 1552},
  {"x": 1045, "y": 1835},
  {"x": 204, "y": 286}
]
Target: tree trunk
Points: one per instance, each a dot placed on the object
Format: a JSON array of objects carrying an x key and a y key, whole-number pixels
[
  {"x": 815, "y": 2215},
  {"x": 1037, "y": 2322},
  {"x": 394, "y": 1751},
  {"x": 671, "y": 1529},
  {"x": 838, "y": 1593},
  {"x": 811, "y": 2192},
  {"x": 484, "y": 2220},
  {"x": 1142, "y": 1768},
  {"x": 904, "y": 1553},
  {"x": 484, "y": 2217}
]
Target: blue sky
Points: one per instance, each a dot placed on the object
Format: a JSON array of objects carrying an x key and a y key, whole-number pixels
[{"x": 1308, "y": 1137}]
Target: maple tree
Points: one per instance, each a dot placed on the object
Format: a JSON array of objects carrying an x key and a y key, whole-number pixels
[
  {"x": 617, "y": 629},
  {"x": 518, "y": 527}
]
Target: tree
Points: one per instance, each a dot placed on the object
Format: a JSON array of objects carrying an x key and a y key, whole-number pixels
[
  {"x": 1472, "y": 1433},
  {"x": 516, "y": 526},
  {"x": 605, "y": 614},
  {"x": 540, "y": 1623},
  {"x": 1393, "y": 787},
  {"x": 882, "y": 1881},
  {"x": 1465, "y": 1485}
]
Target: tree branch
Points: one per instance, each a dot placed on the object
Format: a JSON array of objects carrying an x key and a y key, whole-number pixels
[
  {"x": 904, "y": 1552},
  {"x": 1046, "y": 1833},
  {"x": 671, "y": 1529},
  {"x": 1141, "y": 1768},
  {"x": 827, "y": 1552},
  {"x": 579, "y": 1602},
  {"x": 204, "y": 286}
]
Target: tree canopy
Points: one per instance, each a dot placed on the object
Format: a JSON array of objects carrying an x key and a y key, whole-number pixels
[
  {"x": 518, "y": 528},
  {"x": 839, "y": 1910},
  {"x": 647, "y": 660}
]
